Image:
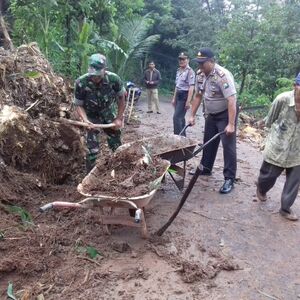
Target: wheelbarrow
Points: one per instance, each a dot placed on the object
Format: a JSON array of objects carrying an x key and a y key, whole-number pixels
[{"x": 97, "y": 200}]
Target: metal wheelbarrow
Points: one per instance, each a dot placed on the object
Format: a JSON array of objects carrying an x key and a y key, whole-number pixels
[{"x": 96, "y": 200}]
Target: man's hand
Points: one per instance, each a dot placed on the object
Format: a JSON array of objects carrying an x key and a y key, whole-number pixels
[
  {"x": 187, "y": 106},
  {"x": 173, "y": 101},
  {"x": 229, "y": 129},
  {"x": 119, "y": 123},
  {"x": 192, "y": 120}
]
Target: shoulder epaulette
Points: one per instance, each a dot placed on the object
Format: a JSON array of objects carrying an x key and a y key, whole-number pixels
[{"x": 220, "y": 73}]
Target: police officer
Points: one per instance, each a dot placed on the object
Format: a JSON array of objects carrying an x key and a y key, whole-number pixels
[
  {"x": 185, "y": 82},
  {"x": 215, "y": 85},
  {"x": 100, "y": 99}
]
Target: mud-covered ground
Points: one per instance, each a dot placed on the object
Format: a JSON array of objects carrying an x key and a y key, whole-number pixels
[{"x": 219, "y": 247}]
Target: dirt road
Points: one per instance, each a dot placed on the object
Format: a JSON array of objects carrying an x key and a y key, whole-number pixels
[{"x": 219, "y": 247}]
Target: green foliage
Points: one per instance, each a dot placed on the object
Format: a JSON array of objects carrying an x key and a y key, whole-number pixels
[
  {"x": 92, "y": 252},
  {"x": 21, "y": 212},
  {"x": 258, "y": 41},
  {"x": 283, "y": 85},
  {"x": 32, "y": 74},
  {"x": 89, "y": 250}
]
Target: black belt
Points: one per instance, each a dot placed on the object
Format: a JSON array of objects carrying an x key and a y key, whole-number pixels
[{"x": 218, "y": 113}]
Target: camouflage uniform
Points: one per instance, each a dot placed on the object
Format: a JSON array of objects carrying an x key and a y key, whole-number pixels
[{"x": 99, "y": 100}]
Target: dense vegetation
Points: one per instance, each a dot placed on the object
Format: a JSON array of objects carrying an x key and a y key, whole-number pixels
[{"x": 258, "y": 40}]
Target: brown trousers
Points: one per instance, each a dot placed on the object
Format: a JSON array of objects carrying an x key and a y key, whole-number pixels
[{"x": 152, "y": 97}]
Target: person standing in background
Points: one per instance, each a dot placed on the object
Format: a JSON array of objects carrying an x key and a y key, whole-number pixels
[
  {"x": 152, "y": 79},
  {"x": 185, "y": 82}
]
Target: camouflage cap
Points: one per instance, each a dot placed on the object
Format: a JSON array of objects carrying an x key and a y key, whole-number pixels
[{"x": 97, "y": 62}]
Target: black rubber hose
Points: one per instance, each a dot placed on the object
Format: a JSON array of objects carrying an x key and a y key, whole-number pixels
[{"x": 188, "y": 189}]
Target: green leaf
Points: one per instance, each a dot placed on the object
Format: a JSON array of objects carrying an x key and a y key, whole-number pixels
[
  {"x": 10, "y": 293},
  {"x": 25, "y": 215},
  {"x": 32, "y": 74},
  {"x": 172, "y": 171},
  {"x": 92, "y": 252}
]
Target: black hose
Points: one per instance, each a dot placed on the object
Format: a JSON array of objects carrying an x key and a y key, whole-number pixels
[{"x": 188, "y": 189}]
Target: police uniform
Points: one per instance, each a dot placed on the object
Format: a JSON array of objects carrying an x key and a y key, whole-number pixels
[
  {"x": 99, "y": 101},
  {"x": 184, "y": 79},
  {"x": 215, "y": 89}
]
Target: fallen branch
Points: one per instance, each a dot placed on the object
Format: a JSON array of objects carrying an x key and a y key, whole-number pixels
[
  {"x": 33, "y": 105},
  {"x": 89, "y": 259},
  {"x": 210, "y": 218},
  {"x": 226, "y": 220}
]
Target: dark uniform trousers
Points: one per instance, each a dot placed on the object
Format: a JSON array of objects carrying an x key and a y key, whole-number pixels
[
  {"x": 214, "y": 124},
  {"x": 180, "y": 111},
  {"x": 268, "y": 176}
]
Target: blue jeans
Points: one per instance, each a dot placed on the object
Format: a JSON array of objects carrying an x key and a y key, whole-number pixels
[{"x": 180, "y": 111}]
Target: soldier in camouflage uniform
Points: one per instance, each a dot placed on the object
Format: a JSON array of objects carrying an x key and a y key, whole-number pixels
[
  {"x": 282, "y": 150},
  {"x": 100, "y": 99}
]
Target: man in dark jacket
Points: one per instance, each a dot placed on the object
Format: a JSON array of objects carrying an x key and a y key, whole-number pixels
[{"x": 152, "y": 78}]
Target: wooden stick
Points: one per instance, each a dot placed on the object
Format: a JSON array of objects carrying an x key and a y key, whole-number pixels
[
  {"x": 131, "y": 106},
  {"x": 33, "y": 105},
  {"x": 267, "y": 295},
  {"x": 89, "y": 259},
  {"x": 83, "y": 124}
]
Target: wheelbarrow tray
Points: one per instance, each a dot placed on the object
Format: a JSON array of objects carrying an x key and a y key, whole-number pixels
[
  {"x": 122, "y": 201},
  {"x": 171, "y": 147}
]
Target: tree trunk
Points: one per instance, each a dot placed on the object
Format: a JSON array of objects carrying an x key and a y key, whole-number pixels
[{"x": 7, "y": 40}]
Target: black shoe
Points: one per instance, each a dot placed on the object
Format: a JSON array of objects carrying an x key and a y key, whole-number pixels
[
  {"x": 227, "y": 186},
  {"x": 204, "y": 172},
  {"x": 149, "y": 112},
  {"x": 159, "y": 113}
]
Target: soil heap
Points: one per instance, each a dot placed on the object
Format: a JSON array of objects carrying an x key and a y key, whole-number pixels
[{"x": 32, "y": 140}]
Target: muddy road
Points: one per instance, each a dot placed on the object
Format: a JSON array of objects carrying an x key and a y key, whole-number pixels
[{"x": 219, "y": 247}]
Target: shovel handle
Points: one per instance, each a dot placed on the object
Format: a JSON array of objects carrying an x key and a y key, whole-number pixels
[{"x": 83, "y": 124}]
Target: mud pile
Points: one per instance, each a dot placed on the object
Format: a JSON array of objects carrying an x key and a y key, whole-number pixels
[
  {"x": 49, "y": 149},
  {"x": 28, "y": 81},
  {"x": 128, "y": 173},
  {"x": 32, "y": 98}
]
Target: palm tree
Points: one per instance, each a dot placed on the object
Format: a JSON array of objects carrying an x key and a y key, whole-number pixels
[{"x": 131, "y": 44}]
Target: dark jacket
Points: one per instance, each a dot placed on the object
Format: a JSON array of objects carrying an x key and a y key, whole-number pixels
[{"x": 155, "y": 78}]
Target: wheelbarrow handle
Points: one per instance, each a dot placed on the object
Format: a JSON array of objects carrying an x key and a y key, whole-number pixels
[
  {"x": 184, "y": 128},
  {"x": 208, "y": 142}
]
